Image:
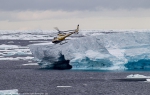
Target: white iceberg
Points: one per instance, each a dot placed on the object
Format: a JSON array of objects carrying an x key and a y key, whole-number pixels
[{"x": 110, "y": 51}]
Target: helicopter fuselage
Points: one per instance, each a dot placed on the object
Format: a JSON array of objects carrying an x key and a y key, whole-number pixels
[{"x": 62, "y": 36}]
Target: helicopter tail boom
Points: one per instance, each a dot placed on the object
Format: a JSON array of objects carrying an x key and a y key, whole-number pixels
[{"x": 77, "y": 30}]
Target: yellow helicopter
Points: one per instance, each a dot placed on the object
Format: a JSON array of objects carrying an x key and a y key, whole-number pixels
[{"x": 62, "y": 35}]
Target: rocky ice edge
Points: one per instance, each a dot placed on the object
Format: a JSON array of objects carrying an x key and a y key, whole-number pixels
[{"x": 110, "y": 51}]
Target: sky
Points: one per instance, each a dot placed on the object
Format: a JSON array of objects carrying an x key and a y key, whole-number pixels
[{"x": 67, "y": 14}]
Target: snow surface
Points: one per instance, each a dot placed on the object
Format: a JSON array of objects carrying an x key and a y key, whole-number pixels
[{"x": 111, "y": 51}]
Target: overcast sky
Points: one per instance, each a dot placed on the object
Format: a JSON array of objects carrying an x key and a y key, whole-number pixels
[{"x": 66, "y": 14}]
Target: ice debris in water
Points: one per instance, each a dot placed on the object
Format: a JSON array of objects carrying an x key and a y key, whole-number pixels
[
  {"x": 137, "y": 76},
  {"x": 9, "y": 92}
]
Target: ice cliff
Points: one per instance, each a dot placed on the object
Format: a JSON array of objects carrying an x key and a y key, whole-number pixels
[{"x": 109, "y": 51}]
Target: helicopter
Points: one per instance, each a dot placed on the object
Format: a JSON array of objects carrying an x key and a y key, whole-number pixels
[{"x": 62, "y": 35}]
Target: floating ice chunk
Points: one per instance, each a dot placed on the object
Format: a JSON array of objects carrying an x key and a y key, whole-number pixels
[
  {"x": 137, "y": 76},
  {"x": 30, "y": 64},
  {"x": 17, "y": 58},
  {"x": 3, "y": 46},
  {"x": 9, "y": 92},
  {"x": 17, "y": 51},
  {"x": 25, "y": 58},
  {"x": 148, "y": 80},
  {"x": 64, "y": 86}
]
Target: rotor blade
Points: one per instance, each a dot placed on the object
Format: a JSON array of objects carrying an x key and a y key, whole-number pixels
[
  {"x": 62, "y": 31},
  {"x": 56, "y": 28},
  {"x": 68, "y": 30}
]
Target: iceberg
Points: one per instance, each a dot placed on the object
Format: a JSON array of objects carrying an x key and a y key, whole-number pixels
[{"x": 103, "y": 51}]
